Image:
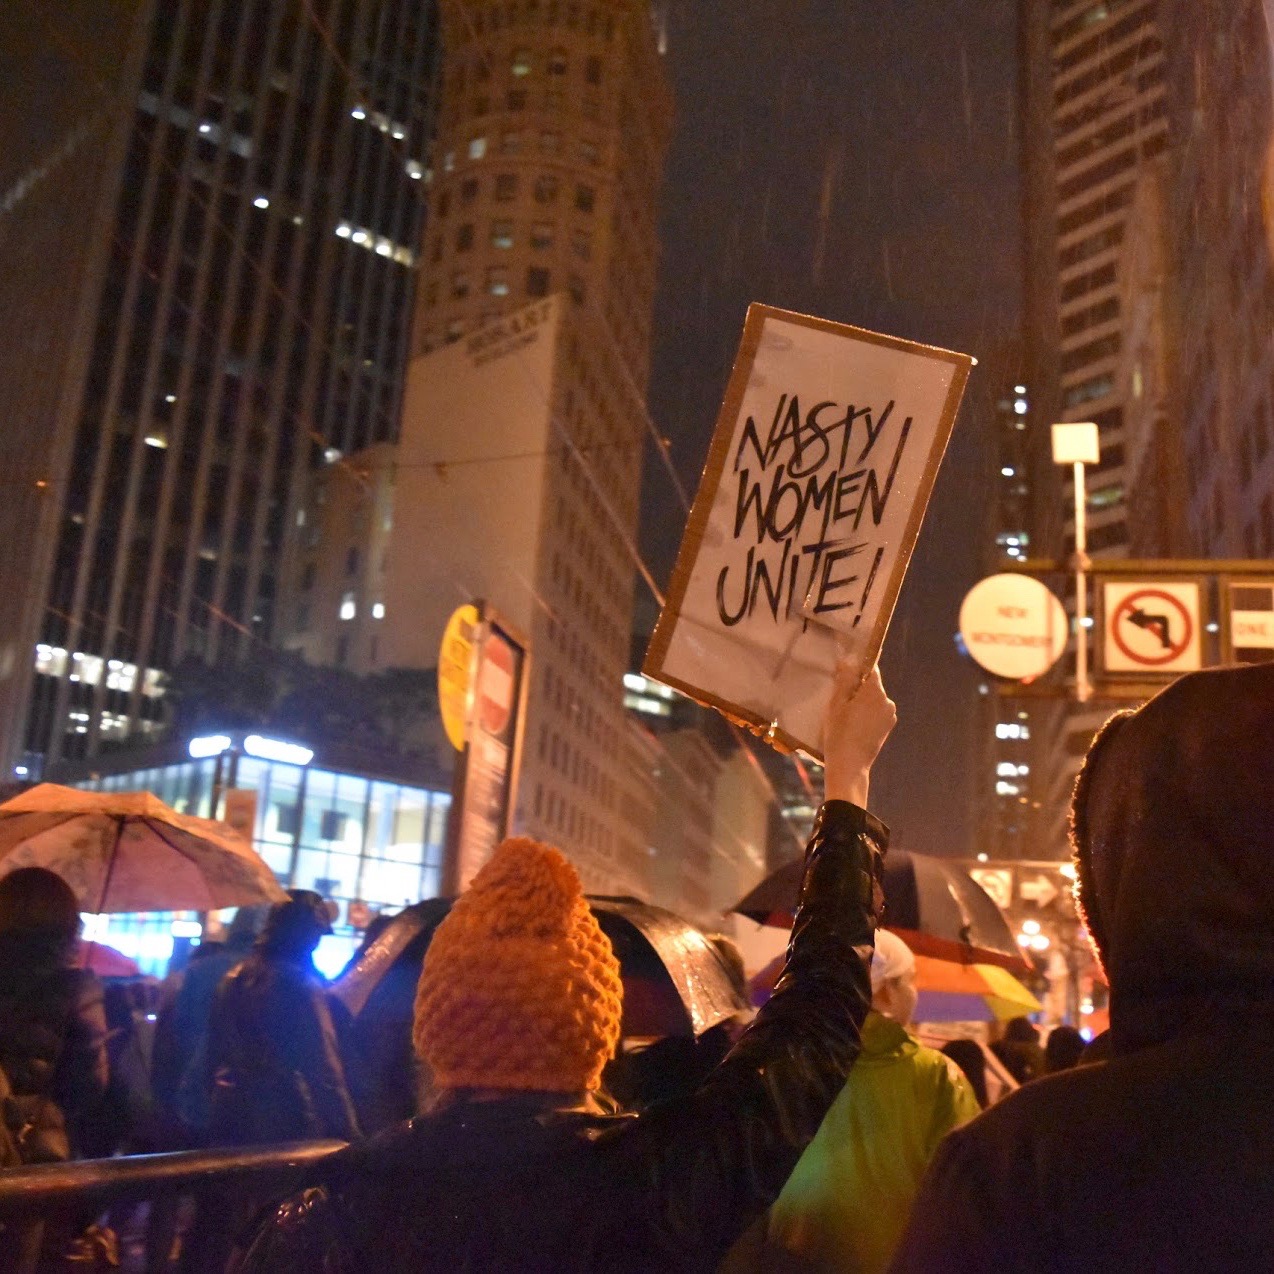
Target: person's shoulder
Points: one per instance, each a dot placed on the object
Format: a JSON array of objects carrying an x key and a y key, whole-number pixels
[{"x": 1045, "y": 1110}]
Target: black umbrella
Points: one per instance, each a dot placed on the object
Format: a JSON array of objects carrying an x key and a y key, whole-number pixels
[
  {"x": 675, "y": 982},
  {"x": 935, "y": 908}
]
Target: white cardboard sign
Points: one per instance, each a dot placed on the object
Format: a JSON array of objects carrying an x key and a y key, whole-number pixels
[{"x": 817, "y": 479}]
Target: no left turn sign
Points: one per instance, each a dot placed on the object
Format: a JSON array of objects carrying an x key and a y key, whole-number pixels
[{"x": 1152, "y": 626}]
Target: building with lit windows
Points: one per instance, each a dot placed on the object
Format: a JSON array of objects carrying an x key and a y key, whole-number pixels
[
  {"x": 366, "y": 839},
  {"x": 518, "y": 469},
  {"x": 252, "y": 211},
  {"x": 1096, "y": 115},
  {"x": 1005, "y": 801},
  {"x": 333, "y": 594},
  {"x": 1220, "y": 236},
  {"x": 1146, "y": 135},
  {"x": 706, "y": 822}
]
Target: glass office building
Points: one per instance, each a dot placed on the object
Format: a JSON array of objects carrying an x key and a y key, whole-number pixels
[{"x": 355, "y": 838}]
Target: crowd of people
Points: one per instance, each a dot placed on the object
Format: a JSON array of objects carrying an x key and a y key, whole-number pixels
[{"x": 826, "y": 1138}]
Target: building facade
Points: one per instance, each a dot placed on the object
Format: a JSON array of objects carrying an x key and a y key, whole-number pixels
[
  {"x": 334, "y": 591},
  {"x": 1146, "y": 152},
  {"x": 248, "y": 307},
  {"x": 1219, "y": 236},
  {"x": 368, "y": 841},
  {"x": 1005, "y": 799},
  {"x": 519, "y": 466}
]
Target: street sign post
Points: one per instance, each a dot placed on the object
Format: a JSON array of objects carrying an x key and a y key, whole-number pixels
[
  {"x": 1038, "y": 889},
  {"x": 1013, "y": 626},
  {"x": 1152, "y": 626},
  {"x": 1249, "y": 621},
  {"x": 484, "y": 783}
]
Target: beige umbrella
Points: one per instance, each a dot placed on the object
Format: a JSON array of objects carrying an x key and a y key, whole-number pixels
[{"x": 128, "y": 851}]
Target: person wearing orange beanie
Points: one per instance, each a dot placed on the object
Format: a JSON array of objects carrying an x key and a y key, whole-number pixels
[
  {"x": 520, "y": 989},
  {"x": 515, "y": 1166}
]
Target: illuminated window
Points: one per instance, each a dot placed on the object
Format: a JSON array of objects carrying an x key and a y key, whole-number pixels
[
  {"x": 521, "y": 64},
  {"x": 498, "y": 281},
  {"x": 502, "y": 234},
  {"x": 477, "y": 148},
  {"x": 349, "y": 607}
]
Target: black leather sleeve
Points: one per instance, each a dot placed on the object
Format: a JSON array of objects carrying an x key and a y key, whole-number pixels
[{"x": 705, "y": 1166}]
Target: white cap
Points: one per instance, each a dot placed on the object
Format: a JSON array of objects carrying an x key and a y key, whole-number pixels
[{"x": 891, "y": 959}]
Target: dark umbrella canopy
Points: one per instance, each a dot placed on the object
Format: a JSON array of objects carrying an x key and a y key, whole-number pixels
[
  {"x": 938, "y": 910},
  {"x": 675, "y": 983}
]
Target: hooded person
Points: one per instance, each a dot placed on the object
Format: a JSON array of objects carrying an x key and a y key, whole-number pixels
[
  {"x": 1158, "y": 1158},
  {"x": 514, "y": 1166},
  {"x": 846, "y": 1203},
  {"x": 272, "y": 1054},
  {"x": 179, "y": 1067},
  {"x": 53, "y": 1028}
]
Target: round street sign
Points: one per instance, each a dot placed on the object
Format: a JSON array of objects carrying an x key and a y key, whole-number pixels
[
  {"x": 454, "y": 658},
  {"x": 1013, "y": 626},
  {"x": 1151, "y": 628}
]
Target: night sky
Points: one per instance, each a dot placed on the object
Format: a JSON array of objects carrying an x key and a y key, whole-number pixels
[{"x": 856, "y": 161}]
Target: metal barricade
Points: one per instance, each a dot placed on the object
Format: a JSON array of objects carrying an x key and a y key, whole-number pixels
[{"x": 229, "y": 1186}]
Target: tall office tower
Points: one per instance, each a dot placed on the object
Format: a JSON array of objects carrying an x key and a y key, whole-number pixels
[
  {"x": 64, "y": 100},
  {"x": 1219, "y": 234},
  {"x": 1006, "y": 802},
  {"x": 248, "y": 302},
  {"x": 519, "y": 466},
  {"x": 1095, "y": 131},
  {"x": 1147, "y": 140}
]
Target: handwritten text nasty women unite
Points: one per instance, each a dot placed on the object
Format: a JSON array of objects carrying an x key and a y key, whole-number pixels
[{"x": 819, "y": 468}]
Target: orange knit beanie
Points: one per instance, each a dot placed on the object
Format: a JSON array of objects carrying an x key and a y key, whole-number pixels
[{"x": 520, "y": 987}]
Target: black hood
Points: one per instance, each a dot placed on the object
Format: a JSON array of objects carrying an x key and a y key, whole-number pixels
[{"x": 1173, "y": 831}]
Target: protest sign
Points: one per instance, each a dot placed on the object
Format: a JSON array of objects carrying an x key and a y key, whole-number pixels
[{"x": 818, "y": 475}]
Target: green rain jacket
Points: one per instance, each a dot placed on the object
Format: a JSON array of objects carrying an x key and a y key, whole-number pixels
[{"x": 846, "y": 1204}]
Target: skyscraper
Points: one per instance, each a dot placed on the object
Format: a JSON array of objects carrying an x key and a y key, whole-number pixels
[
  {"x": 519, "y": 467},
  {"x": 1150, "y": 298},
  {"x": 1096, "y": 123},
  {"x": 246, "y": 302},
  {"x": 1220, "y": 234}
]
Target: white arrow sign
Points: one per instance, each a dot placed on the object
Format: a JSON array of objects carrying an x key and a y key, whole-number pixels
[{"x": 1041, "y": 890}]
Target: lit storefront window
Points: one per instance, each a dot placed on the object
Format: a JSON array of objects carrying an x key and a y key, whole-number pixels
[{"x": 347, "y": 836}]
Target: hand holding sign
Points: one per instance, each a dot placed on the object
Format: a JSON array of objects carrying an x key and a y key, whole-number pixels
[
  {"x": 860, "y": 716},
  {"x": 821, "y": 466}
]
